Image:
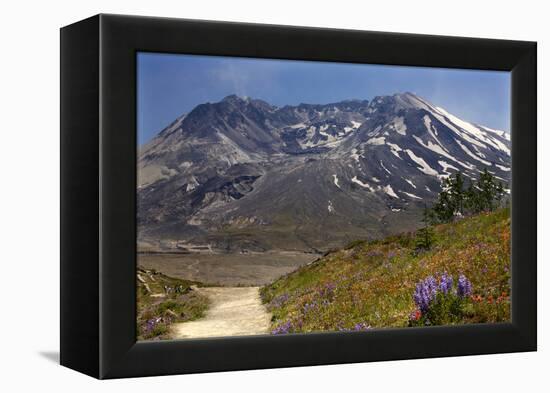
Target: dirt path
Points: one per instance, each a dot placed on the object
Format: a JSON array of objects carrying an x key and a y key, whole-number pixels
[{"x": 234, "y": 311}]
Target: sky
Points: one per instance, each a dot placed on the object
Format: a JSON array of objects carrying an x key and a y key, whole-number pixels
[{"x": 170, "y": 85}]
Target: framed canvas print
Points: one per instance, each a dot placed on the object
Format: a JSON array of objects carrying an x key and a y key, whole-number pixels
[{"x": 239, "y": 196}]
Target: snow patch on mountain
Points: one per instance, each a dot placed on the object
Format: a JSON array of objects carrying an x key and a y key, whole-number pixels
[
  {"x": 399, "y": 125},
  {"x": 478, "y": 152},
  {"x": 467, "y": 151},
  {"x": 428, "y": 123},
  {"x": 354, "y": 125},
  {"x": 501, "y": 146},
  {"x": 432, "y": 130},
  {"x": 424, "y": 167},
  {"x": 410, "y": 195},
  {"x": 477, "y": 132},
  {"x": 383, "y": 167},
  {"x": 462, "y": 124},
  {"x": 394, "y": 149},
  {"x": 336, "y": 182},
  {"x": 364, "y": 185},
  {"x": 504, "y": 168},
  {"x": 192, "y": 184},
  {"x": 502, "y": 134},
  {"x": 389, "y": 190},
  {"x": 322, "y": 131},
  {"x": 445, "y": 165},
  {"x": 354, "y": 155},
  {"x": 454, "y": 128},
  {"x": 376, "y": 141},
  {"x": 433, "y": 147}
]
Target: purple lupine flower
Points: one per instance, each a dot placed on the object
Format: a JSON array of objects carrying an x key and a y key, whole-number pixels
[
  {"x": 283, "y": 328},
  {"x": 150, "y": 324},
  {"x": 309, "y": 306},
  {"x": 431, "y": 284},
  {"x": 464, "y": 287},
  {"x": 358, "y": 327},
  {"x": 327, "y": 290},
  {"x": 297, "y": 324},
  {"x": 421, "y": 298},
  {"x": 425, "y": 293},
  {"x": 445, "y": 283},
  {"x": 361, "y": 326},
  {"x": 280, "y": 300}
]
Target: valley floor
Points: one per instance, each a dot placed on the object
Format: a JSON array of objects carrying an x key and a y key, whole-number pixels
[{"x": 251, "y": 269}]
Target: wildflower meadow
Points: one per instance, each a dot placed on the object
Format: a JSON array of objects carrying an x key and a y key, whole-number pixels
[{"x": 464, "y": 277}]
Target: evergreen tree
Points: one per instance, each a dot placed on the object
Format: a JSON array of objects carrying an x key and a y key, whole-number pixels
[
  {"x": 472, "y": 201},
  {"x": 490, "y": 192},
  {"x": 425, "y": 235},
  {"x": 484, "y": 195},
  {"x": 456, "y": 191},
  {"x": 444, "y": 208},
  {"x": 499, "y": 194},
  {"x": 451, "y": 198}
]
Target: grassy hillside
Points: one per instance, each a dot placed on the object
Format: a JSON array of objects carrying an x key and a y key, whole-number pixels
[
  {"x": 163, "y": 300},
  {"x": 371, "y": 284}
]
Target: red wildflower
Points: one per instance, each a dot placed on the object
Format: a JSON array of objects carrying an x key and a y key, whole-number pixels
[{"x": 415, "y": 315}]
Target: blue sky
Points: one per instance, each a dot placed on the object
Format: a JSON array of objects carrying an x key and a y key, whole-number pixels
[{"x": 170, "y": 85}]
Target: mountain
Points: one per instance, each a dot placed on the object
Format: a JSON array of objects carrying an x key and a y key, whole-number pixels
[{"x": 244, "y": 175}]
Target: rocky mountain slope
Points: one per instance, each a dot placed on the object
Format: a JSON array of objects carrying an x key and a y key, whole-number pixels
[{"x": 242, "y": 175}]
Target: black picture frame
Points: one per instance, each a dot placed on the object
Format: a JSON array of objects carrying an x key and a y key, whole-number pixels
[{"x": 98, "y": 195}]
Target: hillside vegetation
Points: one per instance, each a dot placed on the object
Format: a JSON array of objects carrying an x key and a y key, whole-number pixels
[
  {"x": 381, "y": 283},
  {"x": 163, "y": 300}
]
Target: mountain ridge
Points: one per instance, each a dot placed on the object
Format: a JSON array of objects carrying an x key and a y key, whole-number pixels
[{"x": 242, "y": 175}]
